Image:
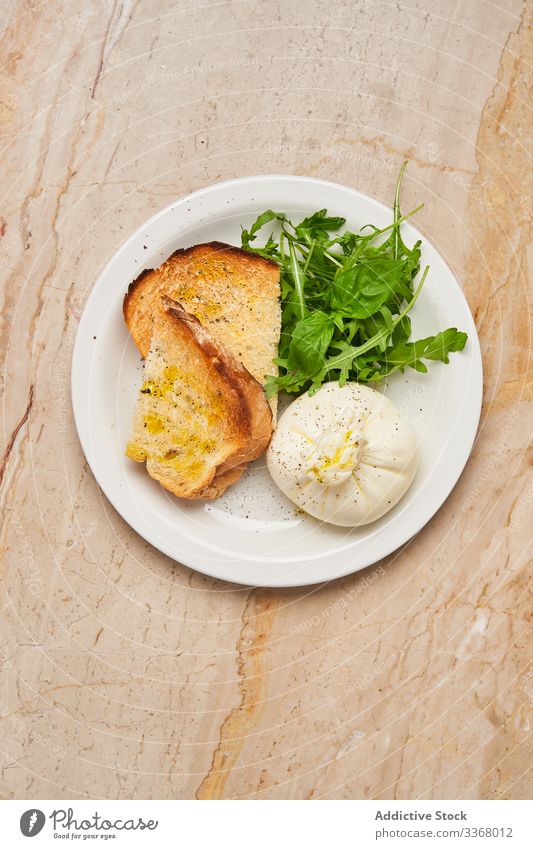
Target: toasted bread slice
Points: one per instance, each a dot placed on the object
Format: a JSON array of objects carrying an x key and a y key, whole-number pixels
[
  {"x": 200, "y": 415},
  {"x": 233, "y": 293}
]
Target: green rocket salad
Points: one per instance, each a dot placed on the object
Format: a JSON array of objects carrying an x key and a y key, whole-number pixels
[{"x": 346, "y": 301}]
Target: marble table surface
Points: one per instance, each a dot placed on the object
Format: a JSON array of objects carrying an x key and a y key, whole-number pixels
[{"x": 126, "y": 675}]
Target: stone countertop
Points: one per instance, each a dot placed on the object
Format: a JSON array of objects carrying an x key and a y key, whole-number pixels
[{"x": 126, "y": 675}]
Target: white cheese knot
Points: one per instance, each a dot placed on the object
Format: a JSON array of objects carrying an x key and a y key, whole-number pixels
[
  {"x": 345, "y": 454},
  {"x": 335, "y": 453}
]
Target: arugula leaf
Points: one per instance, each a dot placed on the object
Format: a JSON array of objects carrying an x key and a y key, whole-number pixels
[
  {"x": 346, "y": 300},
  {"x": 363, "y": 289},
  {"x": 432, "y": 348},
  {"x": 250, "y": 235},
  {"x": 317, "y": 226},
  {"x": 310, "y": 340}
]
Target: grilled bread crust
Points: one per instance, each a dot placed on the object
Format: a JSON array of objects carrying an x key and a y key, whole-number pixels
[
  {"x": 211, "y": 416},
  {"x": 233, "y": 293}
]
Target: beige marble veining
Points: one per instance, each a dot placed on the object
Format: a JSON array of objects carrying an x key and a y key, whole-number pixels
[{"x": 126, "y": 675}]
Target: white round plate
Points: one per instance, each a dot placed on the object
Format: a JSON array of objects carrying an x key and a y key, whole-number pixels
[{"x": 253, "y": 535}]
